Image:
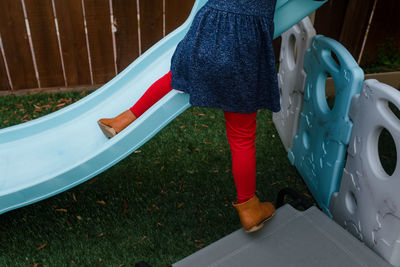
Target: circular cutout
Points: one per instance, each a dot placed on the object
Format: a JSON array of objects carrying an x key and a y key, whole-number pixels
[
  {"x": 351, "y": 202},
  {"x": 387, "y": 152},
  {"x": 330, "y": 91}
]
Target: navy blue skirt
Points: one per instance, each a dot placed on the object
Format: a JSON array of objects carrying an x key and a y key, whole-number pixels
[{"x": 226, "y": 59}]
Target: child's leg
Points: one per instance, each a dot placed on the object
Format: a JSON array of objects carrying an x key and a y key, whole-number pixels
[
  {"x": 241, "y": 133},
  {"x": 160, "y": 88},
  {"x": 155, "y": 92}
]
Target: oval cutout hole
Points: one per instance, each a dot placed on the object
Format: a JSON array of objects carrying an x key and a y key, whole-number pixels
[
  {"x": 330, "y": 92},
  {"x": 394, "y": 109},
  {"x": 387, "y": 152},
  {"x": 335, "y": 58}
]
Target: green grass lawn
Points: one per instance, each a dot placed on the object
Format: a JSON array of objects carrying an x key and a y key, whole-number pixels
[{"x": 164, "y": 202}]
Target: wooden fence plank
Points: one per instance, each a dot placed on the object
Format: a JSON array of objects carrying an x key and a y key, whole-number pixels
[
  {"x": 176, "y": 12},
  {"x": 16, "y": 45},
  {"x": 73, "y": 41},
  {"x": 355, "y": 25},
  {"x": 4, "y": 84},
  {"x": 330, "y": 17},
  {"x": 383, "y": 28},
  {"x": 100, "y": 40},
  {"x": 126, "y": 36},
  {"x": 151, "y": 22},
  {"x": 45, "y": 43}
]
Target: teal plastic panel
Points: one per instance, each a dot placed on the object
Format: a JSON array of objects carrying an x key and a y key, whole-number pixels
[
  {"x": 320, "y": 145},
  {"x": 49, "y": 155}
]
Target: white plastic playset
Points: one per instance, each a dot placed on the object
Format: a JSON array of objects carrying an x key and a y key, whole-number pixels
[{"x": 361, "y": 197}]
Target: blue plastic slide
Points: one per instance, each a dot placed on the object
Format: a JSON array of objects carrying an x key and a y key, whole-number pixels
[{"x": 49, "y": 155}]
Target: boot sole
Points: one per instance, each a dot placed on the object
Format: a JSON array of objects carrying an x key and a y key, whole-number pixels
[
  {"x": 259, "y": 226},
  {"x": 107, "y": 130}
]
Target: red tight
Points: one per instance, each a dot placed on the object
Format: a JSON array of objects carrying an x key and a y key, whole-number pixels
[
  {"x": 155, "y": 92},
  {"x": 240, "y": 130},
  {"x": 241, "y": 133}
]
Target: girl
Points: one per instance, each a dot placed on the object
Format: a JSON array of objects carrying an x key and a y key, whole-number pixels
[{"x": 225, "y": 61}]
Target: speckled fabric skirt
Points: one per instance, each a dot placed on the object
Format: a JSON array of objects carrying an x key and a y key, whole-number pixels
[{"x": 226, "y": 59}]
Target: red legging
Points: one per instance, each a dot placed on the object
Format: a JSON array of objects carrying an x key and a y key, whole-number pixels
[
  {"x": 240, "y": 130},
  {"x": 241, "y": 133},
  {"x": 155, "y": 92}
]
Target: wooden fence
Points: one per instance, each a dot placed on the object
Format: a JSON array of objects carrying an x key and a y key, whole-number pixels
[
  {"x": 362, "y": 26},
  {"x": 69, "y": 43},
  {"x": 79, "y": 43}
]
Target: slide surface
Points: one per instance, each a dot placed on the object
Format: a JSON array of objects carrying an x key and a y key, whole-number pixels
[{"x": 49, "y": 155}]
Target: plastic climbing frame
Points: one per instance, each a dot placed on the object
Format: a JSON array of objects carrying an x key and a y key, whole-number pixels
[
  {"x": 320, "y": 145},
  {"x": 291, "y": 79},
  {"x": 368, "y": 201}
]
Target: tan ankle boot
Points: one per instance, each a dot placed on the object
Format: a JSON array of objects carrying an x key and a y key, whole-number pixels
[
  {"x": 253, "y": 213},
  {"x": 111, "y": 127}
]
